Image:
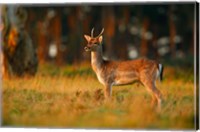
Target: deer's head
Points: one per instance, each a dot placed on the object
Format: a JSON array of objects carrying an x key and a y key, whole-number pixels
[{"x": 93, "y": 42}]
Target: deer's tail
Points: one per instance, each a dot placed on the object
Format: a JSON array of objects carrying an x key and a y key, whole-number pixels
[{"x": 160, "y": 71}]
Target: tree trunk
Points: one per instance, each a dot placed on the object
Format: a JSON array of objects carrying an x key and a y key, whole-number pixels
[
  {"x": 19, "y": 54},
  {"x": 122, "y": 37},
  {"x": 57, "y": 34},
  {"x": 108, "y": 20},
  {"x": 42, "y": 42},
  {"x": 144, "y": 46},
  {"x": 172, "y": 31}
]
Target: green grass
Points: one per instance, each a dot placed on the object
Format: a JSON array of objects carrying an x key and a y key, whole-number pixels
[{"x": 71, "y": 97}]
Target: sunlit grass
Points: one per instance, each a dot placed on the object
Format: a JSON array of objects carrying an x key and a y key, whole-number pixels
[{"x": 69, "y": 97}]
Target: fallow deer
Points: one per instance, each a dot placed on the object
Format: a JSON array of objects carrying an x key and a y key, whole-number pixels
[{"x": 111, "y": 73}]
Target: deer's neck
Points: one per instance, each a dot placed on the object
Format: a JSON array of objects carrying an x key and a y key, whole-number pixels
[{"x": 96, "y": 59}]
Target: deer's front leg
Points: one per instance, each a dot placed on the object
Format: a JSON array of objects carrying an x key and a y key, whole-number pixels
[{"x": 108, "y": 91}]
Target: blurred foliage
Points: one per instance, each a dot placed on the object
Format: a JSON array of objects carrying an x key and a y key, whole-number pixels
[
  {"x": 154, "y": 31},
  {"x": 54, "y": 34}
]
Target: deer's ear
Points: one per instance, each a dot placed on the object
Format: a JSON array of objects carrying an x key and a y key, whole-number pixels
[
  {"x": 100, "y": 39},
  {"x": 87, "y": 37}
]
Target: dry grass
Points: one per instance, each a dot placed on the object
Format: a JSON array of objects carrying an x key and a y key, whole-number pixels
[{"x": 70, "y": 97}]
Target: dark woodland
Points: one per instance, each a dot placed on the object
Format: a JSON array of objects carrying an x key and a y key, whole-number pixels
[{"x": 54, "y": 33}]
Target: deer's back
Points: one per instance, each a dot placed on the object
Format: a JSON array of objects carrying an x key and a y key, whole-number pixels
[
  {"x": 136, "y": 65},
  {"x": 124, "y": 72}
]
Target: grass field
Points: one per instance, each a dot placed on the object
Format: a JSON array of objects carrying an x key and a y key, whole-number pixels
[{"x": 71, "y": 97}]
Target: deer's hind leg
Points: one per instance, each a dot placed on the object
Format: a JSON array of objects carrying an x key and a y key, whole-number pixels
[{"x": 156, "y": 94}]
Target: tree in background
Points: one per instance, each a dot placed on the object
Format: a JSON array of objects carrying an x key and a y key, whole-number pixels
[
  {"x": 19, "y": 54},
  {"x": 109, "y": 23}
]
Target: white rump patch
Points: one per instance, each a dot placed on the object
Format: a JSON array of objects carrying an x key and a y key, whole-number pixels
[{"x": 159, "y": 70}]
